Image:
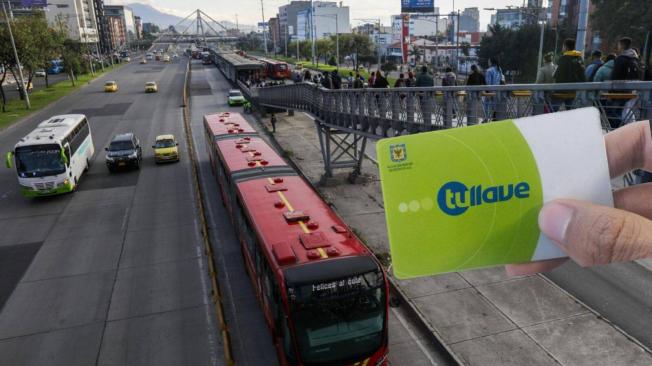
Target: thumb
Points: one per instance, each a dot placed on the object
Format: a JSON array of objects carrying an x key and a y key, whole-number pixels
[{"x": 591, "y": 234}]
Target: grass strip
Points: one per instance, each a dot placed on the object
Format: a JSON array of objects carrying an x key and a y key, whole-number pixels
[{"x": 43, "y": 97}]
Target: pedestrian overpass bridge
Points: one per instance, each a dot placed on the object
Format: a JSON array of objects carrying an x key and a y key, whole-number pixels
[{"x": 346, "y": 118}]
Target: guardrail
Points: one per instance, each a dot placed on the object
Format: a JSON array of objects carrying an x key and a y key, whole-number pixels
[{"x": 378, "y": 113}]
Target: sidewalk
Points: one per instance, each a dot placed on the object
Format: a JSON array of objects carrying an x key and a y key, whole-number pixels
[{"x": 485, "y": 317}]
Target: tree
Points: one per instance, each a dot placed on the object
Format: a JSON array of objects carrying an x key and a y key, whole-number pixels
[
  {"x": 357, "y": 46},
  {"x": 323, "y": 47},
  {"x": 70, "y": 50},
  {"x": 7, "y": 61},
  {"x": 39, "y": 44},
  {"x": 617, "y": 18},
  {"x": 415, "y": 53},
  {"x": 515, "y": 49}
]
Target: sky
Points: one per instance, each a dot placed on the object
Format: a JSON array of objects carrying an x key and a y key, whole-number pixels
[{"x": 249, "y": 11}]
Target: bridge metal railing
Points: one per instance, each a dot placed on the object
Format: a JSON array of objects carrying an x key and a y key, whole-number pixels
[{"x": 378, "y": 113}]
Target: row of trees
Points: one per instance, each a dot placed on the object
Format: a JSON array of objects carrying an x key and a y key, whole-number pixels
[
  {"x": 37, "y": 44},
  {"x": 356, "y": 46},
  {"x": 517, "y": 49}
]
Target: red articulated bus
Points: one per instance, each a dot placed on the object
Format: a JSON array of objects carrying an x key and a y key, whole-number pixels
[
  {"x": 276, "y": 69},
  {"x": 323, "y": 293}
]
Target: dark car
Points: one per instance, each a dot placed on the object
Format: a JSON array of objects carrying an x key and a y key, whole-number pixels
[{"x": 123, "y": 151}]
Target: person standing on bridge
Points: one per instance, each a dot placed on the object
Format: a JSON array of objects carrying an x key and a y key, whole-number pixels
[
  {"x": 424, "y": 79},
  {"x": 594, "y": 66},
  {"x": 476, "y": 77},
  {"x": 327, "y": 81},
  {"x": 493, "y": 76},
  {"x": 450, "y": 79},
  {"x": 570, "y": 69},
  {"x": 571, "y": 65},
  {"x": 358, "y": 82},
  {"x": 380, "y": 81},
  {"x": 336, "y": 79},
  {"x": 606, "y": 71},
  {"x": 272, "y": 119},
  {"x": 546, "y": 73},
  {"x": 400, "y": 82}
]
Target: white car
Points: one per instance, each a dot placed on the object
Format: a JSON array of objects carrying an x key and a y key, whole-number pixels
[{"x": 40, "y": 73}]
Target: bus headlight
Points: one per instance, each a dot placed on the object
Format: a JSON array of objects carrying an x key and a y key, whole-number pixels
[{"x": 64, "y": 183}]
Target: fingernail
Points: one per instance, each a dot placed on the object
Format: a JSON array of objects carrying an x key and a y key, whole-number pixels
[{"x": 554, "y": 218}]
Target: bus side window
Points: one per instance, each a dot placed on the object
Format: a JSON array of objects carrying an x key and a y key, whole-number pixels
[
  {"x": 270, "y": 290},
  {"x": 66, "y": 150},
  {"x": 243, "y": 226}
]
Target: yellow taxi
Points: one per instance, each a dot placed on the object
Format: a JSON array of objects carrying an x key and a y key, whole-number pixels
[
  {"x": 110, "y": 87},
  {"x": 151, "y": 87},
  {"x": 166, "y": 148}
]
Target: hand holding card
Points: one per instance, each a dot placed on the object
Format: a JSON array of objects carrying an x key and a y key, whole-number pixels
[
  {"x": 470, "y": 197},
  {"x": 592, "y": 234}
]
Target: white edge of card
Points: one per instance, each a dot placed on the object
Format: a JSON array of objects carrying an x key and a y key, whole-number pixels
[{"x": 570, "y": 153}]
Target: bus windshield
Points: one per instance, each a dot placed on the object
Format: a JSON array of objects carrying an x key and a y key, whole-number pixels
[
  {"x": 39, "y": 161},
  {"x": 339, "y": 320}
]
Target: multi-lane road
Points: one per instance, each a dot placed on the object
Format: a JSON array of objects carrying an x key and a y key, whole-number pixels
[{"x": 115, "y": 274}]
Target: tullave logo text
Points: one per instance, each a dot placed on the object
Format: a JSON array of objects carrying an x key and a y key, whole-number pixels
[{"x": 455, "y": 198}]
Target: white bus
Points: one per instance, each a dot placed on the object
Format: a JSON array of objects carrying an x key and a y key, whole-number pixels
[{"x": 51, "y": 159}]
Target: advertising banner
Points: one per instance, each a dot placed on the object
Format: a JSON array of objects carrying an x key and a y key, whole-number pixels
[
  {"x": 33, "y": 3},
  {"x": 417, "y": 6}
]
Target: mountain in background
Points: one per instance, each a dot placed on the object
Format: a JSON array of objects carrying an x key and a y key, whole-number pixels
[{"x": 149, "y": 14}]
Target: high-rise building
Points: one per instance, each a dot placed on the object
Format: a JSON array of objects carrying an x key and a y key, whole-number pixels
[
  {"x": 102, "y": 27},
  {"x": 78, "y": 15},
  {"x": 126, "y": 16},
  {"x": 287, "y": 18},
  {"x": 138, "y": 24},
  {"x": 566, "y": 13},
  {"x": 118, "y": 38},
  {"x": 328, "y": 18},
  {"x": 274, "y": 33},
  {"x": 151, "y": 28},
  {"x": 470, "y": 20}
]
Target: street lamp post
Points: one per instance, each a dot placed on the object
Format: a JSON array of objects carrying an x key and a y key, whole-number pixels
[
  {"x": 312, "y": 30},
  {"x": 262, "y": 9},
  {"x": 541, "y": 44},
  {"x": 20, "y": 70}
]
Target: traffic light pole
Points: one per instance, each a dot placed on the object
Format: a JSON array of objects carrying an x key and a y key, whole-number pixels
[{"x": 20, "y": 70}]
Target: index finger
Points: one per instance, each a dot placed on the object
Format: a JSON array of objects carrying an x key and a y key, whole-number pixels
[{"x": 629, "y": 148}]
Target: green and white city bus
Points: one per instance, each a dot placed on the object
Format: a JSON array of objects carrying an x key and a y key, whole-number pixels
[{"x": 51, "y": 159}]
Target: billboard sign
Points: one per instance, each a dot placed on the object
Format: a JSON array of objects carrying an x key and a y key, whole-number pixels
[
  {"x": 417, "y": 6},
  {"x": 33, "y": 3}
]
